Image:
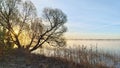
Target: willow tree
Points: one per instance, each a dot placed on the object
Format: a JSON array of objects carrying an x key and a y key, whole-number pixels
[{"x": 26, "y": 29}]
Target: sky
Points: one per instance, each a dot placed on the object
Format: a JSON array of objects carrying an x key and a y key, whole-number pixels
[{"x": 87, "y": 18}]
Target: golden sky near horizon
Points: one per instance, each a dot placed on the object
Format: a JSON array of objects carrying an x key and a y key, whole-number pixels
[{"x": 90, "y": 36}]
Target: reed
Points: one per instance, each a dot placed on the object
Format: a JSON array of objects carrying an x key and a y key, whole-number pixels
[{"x": 89, "y": 57}]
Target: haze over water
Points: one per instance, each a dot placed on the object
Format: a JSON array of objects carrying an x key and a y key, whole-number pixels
[{"x": 102, "y": 45}]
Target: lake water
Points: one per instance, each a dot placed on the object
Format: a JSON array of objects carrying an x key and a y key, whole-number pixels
[
  {"x": 104, "y": 45},
  {"x": 111, "y": 46}
]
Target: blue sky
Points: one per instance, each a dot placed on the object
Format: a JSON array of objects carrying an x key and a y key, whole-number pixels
[{"x": 87, "y": 18}]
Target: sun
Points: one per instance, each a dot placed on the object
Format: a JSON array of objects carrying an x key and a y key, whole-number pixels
[
  {"x": 24, "y": 35},
  {"x": 16, "y": 29}
]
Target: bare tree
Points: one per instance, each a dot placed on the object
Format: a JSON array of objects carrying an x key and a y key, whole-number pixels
[{"x": 26, "y": 30}]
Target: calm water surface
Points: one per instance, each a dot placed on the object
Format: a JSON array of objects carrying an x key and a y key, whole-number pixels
[{"x": 105, "y": 45}]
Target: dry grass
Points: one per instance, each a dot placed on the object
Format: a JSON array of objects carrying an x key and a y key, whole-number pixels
[
  {"x": 90, "y": 58},
  {"x": 22, "y": 59},
  {"x": 80, "y": 57}
]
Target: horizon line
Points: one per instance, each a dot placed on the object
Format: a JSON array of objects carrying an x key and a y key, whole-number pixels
[{"x": 93, "y": 39}]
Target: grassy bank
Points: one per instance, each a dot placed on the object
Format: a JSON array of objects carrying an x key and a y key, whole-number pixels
[
  {"x": 57, "y": 58},
  {"x": 22, "y": 59}
]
